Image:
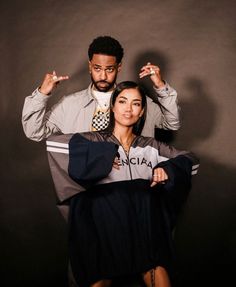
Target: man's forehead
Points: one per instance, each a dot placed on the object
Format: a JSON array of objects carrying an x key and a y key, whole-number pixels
[{"x": 103, "y": 60}]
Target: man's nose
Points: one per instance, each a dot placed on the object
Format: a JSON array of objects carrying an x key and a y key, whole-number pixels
[{"x": 103, "y": 75}]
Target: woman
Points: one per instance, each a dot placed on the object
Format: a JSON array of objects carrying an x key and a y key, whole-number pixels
[{"x": 133, "y": 188}]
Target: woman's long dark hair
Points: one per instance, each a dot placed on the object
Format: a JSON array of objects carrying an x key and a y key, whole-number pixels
[{"x": 138, "y": 126}]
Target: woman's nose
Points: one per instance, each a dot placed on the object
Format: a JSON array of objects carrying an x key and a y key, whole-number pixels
[{"x": 128, "y": 107}]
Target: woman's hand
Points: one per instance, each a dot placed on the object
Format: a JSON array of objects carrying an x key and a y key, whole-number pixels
[
  {"x": 159, "y": 176},
  {"x": 116, "y": 163}
]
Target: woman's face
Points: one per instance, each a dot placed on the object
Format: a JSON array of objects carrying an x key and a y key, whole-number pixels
[{"x": 128, "y": 107}]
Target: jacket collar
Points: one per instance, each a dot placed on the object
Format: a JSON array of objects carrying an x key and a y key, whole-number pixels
[{"x": 89, "y": 99}]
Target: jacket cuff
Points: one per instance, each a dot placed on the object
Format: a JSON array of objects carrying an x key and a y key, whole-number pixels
[
  {"x": 37, "y": 95},
  {"x": 165, "y": 91}
]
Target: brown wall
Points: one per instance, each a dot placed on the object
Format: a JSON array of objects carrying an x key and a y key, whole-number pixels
[{"x": 194, "y": 44}]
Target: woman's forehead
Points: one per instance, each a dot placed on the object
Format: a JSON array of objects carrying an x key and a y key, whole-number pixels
[{"x": 130, "y": 93}]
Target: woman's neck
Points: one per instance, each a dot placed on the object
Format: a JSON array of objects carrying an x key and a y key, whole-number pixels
[
  {"x": 123, "y": 134},
  {"x": 125, "y": 137}
]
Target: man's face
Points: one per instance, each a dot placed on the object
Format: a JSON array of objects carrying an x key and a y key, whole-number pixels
[{"x": 103, "y": 70}]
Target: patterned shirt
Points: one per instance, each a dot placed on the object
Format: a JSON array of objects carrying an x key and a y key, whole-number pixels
[{"x": 101, "y": 115}]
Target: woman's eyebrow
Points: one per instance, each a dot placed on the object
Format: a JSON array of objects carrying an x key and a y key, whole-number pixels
[
  {"x": 123, "y": 97},
  {"x": 126, "y": 98}
]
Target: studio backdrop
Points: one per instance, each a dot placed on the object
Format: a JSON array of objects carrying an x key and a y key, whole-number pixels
[{"x": 193, "y": 43}]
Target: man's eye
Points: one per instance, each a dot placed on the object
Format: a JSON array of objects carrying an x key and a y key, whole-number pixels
[
  {"x": 110, "y": 70},
  {"x": 97, "y": 69}
]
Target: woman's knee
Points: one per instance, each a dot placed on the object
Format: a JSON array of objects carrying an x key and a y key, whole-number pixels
[
  {"x": 102, "y": 283},
  {"x": 157, "y": 277}
]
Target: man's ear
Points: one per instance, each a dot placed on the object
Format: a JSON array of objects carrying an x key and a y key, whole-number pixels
[
  {"x": 119, "y": 67},
  {"x": 90, "y": 67}
]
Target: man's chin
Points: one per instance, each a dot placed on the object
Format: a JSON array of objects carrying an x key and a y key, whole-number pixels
[{"x": 103, "y": 88}]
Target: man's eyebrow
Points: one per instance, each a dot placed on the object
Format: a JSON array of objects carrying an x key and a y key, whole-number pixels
[{"x": 109, "y": 66}]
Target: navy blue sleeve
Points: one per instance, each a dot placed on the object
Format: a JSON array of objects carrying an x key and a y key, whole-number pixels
[
  {"x": 90, "y": 161},
  {"x": 177, "y": 187}
]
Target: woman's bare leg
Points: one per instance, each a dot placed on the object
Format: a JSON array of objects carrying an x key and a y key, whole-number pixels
[
  {"x": 102, "y": 283},
  {"x": 157, "y": 277}
]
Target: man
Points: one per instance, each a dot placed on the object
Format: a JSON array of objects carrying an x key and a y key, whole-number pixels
[{"x": 88, "y": 109}]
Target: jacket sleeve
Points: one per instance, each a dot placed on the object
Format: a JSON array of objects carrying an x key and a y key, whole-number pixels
[
  {"x": 176, "y": 189},
  {"x": 37, "y": 124},
  {"x": 168, "y": 105},
  {"x": 180, "y": 166},
  {"x": 167, "y": 151},
  {"x": 90, "y": 161},
  {"x": 76, "y": 163}
]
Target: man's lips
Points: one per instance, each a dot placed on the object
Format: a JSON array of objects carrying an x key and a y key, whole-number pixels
[{"x": 103, "y": 83}]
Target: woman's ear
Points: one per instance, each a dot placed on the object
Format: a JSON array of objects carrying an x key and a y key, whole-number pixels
[{"x": 141, "y": 114}]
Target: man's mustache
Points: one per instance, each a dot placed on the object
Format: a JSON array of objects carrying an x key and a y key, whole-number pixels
[{"x": 102, "y": 82}]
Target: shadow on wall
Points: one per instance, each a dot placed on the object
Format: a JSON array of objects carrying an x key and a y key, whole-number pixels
[{"x": 199, "y": 114}]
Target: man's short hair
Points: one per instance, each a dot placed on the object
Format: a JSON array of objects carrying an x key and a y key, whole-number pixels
[{"x": 106, "y": 45}]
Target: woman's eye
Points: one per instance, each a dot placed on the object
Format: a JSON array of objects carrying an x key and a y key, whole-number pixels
[{"x": 121, "y": 101}]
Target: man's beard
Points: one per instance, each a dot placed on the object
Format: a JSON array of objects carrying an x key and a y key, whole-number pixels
[{"x": 105, "y": 88}]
